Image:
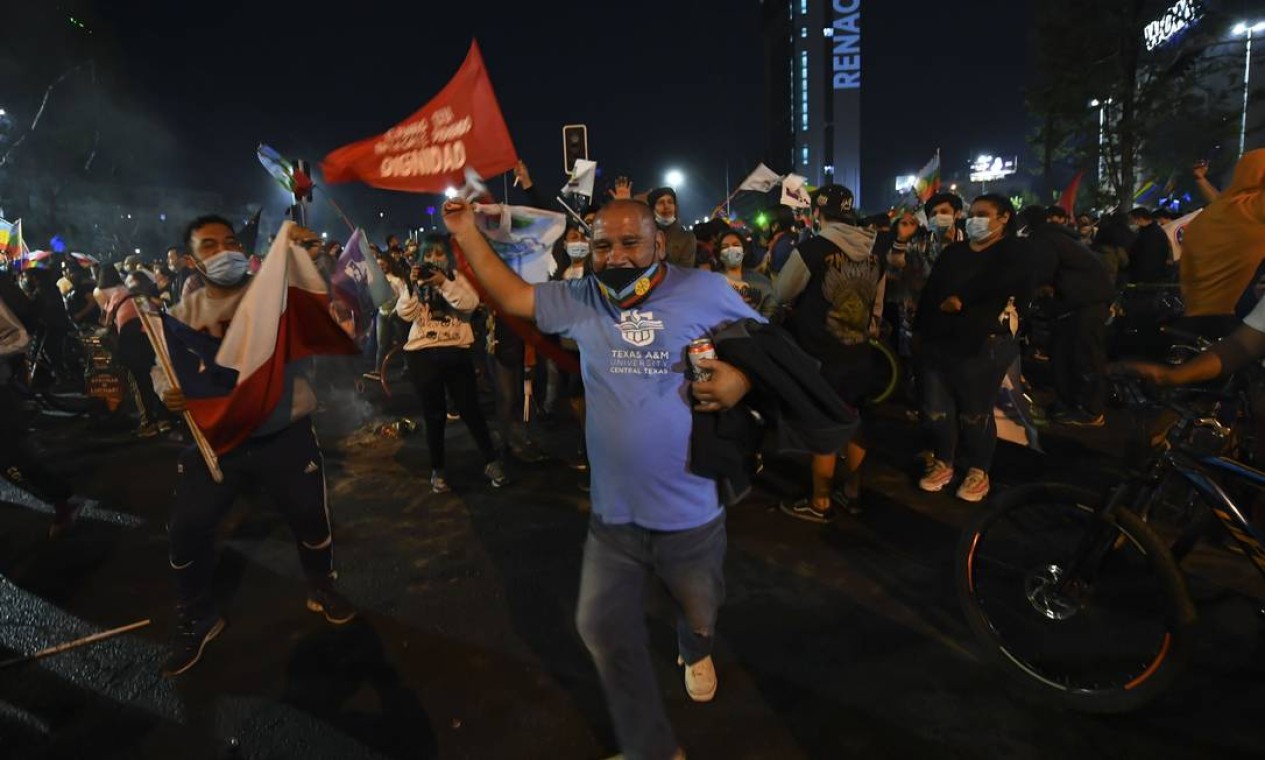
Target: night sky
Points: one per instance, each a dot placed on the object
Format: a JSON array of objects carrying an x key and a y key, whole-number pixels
[{"x": 660, "y": 86}]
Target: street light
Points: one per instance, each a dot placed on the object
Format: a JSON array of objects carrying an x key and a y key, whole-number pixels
[
  {"x": 674, "y": 178},
  {"x": 1242, "y": 28}
]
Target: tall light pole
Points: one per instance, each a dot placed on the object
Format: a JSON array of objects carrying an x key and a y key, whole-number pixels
[{"x": 1243, "y": 28}]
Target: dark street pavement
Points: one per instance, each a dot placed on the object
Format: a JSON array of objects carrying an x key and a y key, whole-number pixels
[{"x": 837, "y": 641}]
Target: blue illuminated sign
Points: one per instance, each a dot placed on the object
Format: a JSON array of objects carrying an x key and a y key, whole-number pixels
[{"x": 847, "y": 44}]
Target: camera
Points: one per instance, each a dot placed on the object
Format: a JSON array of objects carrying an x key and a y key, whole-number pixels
[{"x": 424, "y": 271}]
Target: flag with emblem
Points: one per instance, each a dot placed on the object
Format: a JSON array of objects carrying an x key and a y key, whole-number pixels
[{"x": 927, "y": 181}]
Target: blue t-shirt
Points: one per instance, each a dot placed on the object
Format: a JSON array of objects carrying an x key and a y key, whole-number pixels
[{"x": 637, "y": 391}]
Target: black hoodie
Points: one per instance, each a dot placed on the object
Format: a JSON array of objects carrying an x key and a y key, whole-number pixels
[{"x": 1076, "y": 273}]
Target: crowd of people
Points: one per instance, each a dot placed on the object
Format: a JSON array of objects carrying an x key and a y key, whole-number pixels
[{"x": 963, "y": 290}]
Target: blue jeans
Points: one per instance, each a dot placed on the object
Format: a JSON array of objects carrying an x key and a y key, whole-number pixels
[
  {"x": 958, "y": 396},
  {"x": 618, "y": 559}
]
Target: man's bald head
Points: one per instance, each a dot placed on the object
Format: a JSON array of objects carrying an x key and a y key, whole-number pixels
[
  {"x": 623, "y": 206},
  {"x": 625, "y": 235}
]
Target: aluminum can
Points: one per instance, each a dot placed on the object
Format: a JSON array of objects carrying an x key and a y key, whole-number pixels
[{"x": 700, "y": 348}]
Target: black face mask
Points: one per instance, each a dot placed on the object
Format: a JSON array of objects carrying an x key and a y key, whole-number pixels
[{"x": 626, "y": 287}]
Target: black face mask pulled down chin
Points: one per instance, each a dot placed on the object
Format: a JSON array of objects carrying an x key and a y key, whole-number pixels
[{"x": 626, "y": 287}]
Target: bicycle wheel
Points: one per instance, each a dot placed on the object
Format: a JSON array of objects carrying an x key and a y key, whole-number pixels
[
  {"x": 394, "y": 370},
  {"x": 1104, "y": 635},
  {"x": 887, "y": 369}
]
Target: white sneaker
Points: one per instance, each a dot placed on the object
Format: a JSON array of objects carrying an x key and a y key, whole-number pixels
[
  {"x": 974, "y": 486},
  {"x": 937, "y": 476},
  {"x": 700, "y": 679}
]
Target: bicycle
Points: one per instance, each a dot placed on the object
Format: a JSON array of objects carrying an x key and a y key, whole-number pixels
[{"x": 1075, "y": 595}]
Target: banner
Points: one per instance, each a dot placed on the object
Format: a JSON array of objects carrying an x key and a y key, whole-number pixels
[
  {"x": 522, "y": 236},
  {"x": 761, "y": 180},
  {"x": 358, "y": 281},
  {"x": 582, "y": 178},
  {"x": 794, "y": 192},
  {"x": 429, "y": 151}
]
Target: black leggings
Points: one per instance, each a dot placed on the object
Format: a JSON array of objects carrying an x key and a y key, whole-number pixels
[{"x": 451, "y": 369}]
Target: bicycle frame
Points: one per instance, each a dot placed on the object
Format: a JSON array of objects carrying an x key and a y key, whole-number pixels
[{"x": 1222, "y": 505}]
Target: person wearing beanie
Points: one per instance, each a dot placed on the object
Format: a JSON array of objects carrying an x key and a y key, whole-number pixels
[{"x": 681, "y": 244}]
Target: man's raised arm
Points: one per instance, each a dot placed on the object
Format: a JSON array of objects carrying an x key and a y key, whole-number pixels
[{"x": 511, "y": 293}]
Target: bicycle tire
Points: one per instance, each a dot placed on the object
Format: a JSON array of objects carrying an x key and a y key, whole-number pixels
[
  {"x": 893, "y": 366},
  {"x": 394, "y": 356},
  {"x": 1178, "y": 609}
]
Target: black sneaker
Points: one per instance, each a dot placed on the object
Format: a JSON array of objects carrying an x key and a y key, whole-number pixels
[
  {"x": 190, "y": 638},
  {"x": 803, "y": 509},
  {"x": 851, "y": 505},
  {"x": 334, "y": 605}
]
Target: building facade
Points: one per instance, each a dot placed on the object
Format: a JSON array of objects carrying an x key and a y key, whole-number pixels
[{"x": 815, "y": 74}]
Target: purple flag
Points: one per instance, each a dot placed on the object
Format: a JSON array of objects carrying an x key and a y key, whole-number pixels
[{"x": 359, "y": 283}]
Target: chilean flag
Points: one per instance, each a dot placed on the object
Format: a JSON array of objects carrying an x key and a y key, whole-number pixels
[{"x": 283, "y": 317}]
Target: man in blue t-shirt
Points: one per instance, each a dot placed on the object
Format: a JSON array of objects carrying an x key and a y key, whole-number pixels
[{"x": 633, "y": 321}]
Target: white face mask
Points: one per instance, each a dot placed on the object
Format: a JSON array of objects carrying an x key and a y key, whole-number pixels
[
  {"x": 226, "y": 268},
  {"x": 978, "y": 229},
  {"x": 664, "y": 221},
  {"x": 732, "y": 256},
  {"x": 941, "y": 222},
  {"x": 578, "y": 250}
]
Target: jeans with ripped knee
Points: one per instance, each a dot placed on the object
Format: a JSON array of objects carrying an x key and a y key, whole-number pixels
[{"x": 958, "y": 396}]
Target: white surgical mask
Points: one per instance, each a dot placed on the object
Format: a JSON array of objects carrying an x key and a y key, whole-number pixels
[
  {"x": 732, "y": 256},
  {"x": 226, "y": 268},
  {"x": 664, "y": 221},
  {"x": 577, "y": 250},
  {"x": 978, "y": 229},
  {"x": 941, "y": 222}
]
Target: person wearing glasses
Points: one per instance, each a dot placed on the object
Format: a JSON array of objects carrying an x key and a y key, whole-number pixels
[{"x": 281, "y": 458}]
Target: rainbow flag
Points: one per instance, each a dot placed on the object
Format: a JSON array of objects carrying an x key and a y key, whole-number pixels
[{"x": 11, "y": 243}]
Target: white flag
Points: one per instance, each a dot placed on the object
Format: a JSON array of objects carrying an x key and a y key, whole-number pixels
[
  {"x": 1176, "y": 231},
  {"x": 793, "y": 192},
  {"x": 582, "y": 177},
  {"x": 762, "y": 180}
]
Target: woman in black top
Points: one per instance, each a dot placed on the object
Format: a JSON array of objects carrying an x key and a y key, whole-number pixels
[{"x": 965, "y": 327}]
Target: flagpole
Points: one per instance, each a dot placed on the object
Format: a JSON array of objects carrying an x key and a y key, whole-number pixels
[
  {"x": 728, "y": 210},
  {"x": 337, "y": 210},
  {"x": 160, "y": 351}
]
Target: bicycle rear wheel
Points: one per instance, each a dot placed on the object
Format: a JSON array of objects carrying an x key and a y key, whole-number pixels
[
  {"x": 887, "y": 368},
  {"x": 1086, "y": 610}
]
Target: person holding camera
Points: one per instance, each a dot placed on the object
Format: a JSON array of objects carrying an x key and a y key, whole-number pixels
[{"x": 439, "y": 303}]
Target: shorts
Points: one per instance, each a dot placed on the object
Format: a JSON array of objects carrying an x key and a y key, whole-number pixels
[{"x": 850, "y": 373}]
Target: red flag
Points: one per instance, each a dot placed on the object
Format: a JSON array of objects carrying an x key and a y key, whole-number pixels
[
  {"x": 283, "y": 317},
  {"x": 429, "y": 151},
  {"x": 1067, "y": 201}
]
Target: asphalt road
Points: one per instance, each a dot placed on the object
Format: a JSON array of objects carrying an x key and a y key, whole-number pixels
[{"x": 835, "y": 641}]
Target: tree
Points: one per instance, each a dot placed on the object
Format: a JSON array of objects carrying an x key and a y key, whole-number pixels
[{"x": 1093, "y": 50}]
